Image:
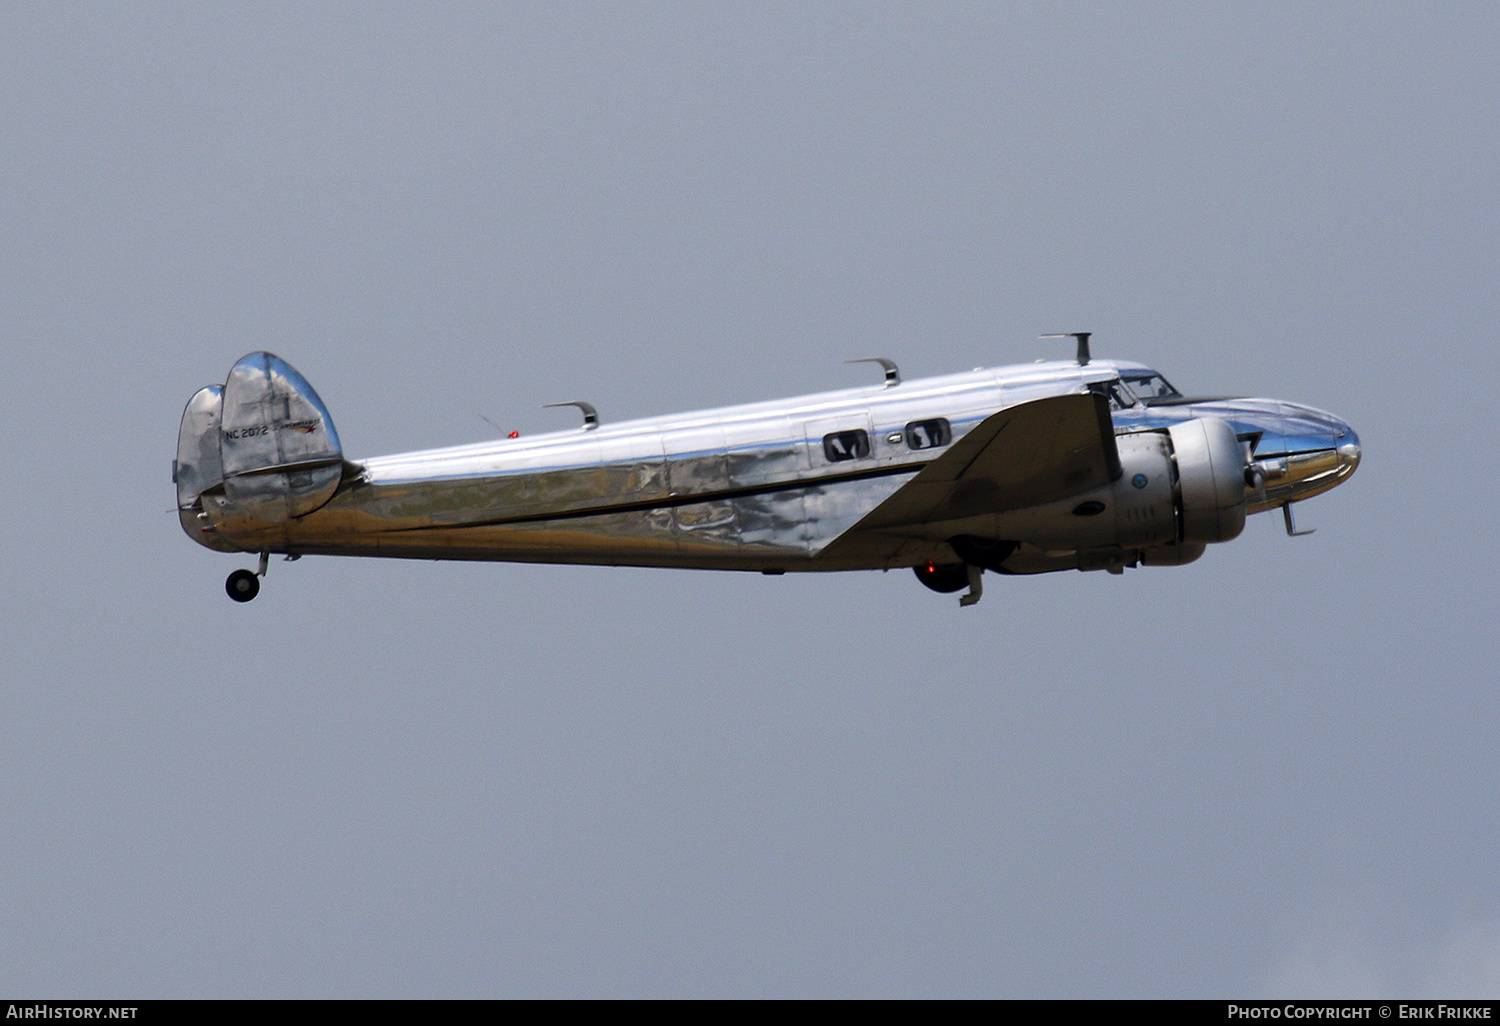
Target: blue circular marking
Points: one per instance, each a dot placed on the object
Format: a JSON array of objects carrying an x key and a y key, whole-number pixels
[{"x": 1139, "y": 480}]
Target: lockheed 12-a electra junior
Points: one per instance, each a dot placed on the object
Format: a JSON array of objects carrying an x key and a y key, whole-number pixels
[{"x": 1059, "y": 465}]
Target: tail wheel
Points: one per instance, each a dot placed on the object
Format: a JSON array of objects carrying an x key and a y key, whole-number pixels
[
  {"x": 943, "y": 577},
  {"x": 242, "y": 585}
]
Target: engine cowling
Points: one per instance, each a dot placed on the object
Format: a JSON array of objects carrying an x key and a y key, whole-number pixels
[
  {"x": 1211, "y": 464},
  {"x": 1178, "y": 490},
  {"x": 1145, "y": 495}
]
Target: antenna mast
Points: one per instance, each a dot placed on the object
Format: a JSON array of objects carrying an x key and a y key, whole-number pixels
[{"x": 1083, "y": 344}]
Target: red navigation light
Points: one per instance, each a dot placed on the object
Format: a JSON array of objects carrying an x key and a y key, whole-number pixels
[{"x": 514, "y": 434}]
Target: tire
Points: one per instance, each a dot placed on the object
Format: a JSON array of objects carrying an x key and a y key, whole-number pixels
[
  {"x": 984, "y": 552},
  {"x": 945, "y": 578},
  {"x": 242, "y": 585}
]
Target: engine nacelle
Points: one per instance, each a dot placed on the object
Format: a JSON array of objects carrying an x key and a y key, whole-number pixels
[
  {"x": 1144, "y": 496},
  {"x": 1185, "y": 486},
  {"x": 1211, "y": 465},
  {"x": 1178, "y": 490}
]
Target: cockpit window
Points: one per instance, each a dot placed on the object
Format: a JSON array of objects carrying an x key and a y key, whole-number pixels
[
  {"x": 1150, "y": 385},
  {"x": 1119, "y": 397}
]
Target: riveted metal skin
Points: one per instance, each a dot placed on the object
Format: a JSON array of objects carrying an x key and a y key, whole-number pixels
[{"x": 750, "y": 487}]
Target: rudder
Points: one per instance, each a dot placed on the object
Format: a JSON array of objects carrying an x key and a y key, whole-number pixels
[{"x": 281, "y": 453}]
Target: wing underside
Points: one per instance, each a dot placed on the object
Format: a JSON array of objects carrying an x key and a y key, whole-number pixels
[{"x": 1026, "y": 455}]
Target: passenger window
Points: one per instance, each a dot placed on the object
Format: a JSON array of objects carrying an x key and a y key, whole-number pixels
[
  {"x": 928, "y": 434},
  {"x": 846, "y": 445}
]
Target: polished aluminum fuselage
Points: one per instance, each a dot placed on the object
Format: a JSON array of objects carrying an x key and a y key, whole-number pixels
[{"x": 739, "y": 488}]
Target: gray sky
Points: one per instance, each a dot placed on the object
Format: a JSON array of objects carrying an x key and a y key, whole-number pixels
[{"x": 1271, "y": 772}]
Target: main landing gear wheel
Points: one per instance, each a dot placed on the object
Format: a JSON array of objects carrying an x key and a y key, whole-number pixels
[
  {"x": 943, "y": 577},
  {"x": 243, "y": 585},
  {"x": 951, "y": 577}
]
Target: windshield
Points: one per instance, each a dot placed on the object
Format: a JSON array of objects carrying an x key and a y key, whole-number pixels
[
  {"x": 1119, "y": 398},
  {"x": 1149, "y": 385}
]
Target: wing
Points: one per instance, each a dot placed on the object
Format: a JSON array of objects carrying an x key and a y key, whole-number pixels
[{"x": 1026, "y": 455}]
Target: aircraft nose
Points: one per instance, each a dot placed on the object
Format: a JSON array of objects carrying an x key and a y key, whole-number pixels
[
  {"x": 1316, "y": 451},
  {"x": 1304, "y": 429},
  {"x": 1349, "y": 450},
  {"x": 1321, "y": 430}
]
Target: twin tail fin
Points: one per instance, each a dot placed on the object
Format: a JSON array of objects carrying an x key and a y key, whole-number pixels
[{"x": 263, "y": 441}]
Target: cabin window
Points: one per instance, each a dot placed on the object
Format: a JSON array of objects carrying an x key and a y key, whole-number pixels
[
  {"x": 846, "y": 445},
  {"x": 928, "y": 434}
]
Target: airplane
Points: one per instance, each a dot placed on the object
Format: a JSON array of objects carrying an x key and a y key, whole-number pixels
[{"x": 1056, "y": 465}]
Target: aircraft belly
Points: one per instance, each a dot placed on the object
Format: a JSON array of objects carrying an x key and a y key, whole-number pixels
[{"x": 618, "y": 539}]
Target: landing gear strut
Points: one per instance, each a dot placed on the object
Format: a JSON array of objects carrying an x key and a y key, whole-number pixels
[
  {"x": 976, "y": 586},
  {"x": 244, "y": 585}
]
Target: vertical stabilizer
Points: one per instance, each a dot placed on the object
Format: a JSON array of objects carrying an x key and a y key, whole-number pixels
[
  {"x": 281, "y": 455},
  {"x": 199, "y": 467}
]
